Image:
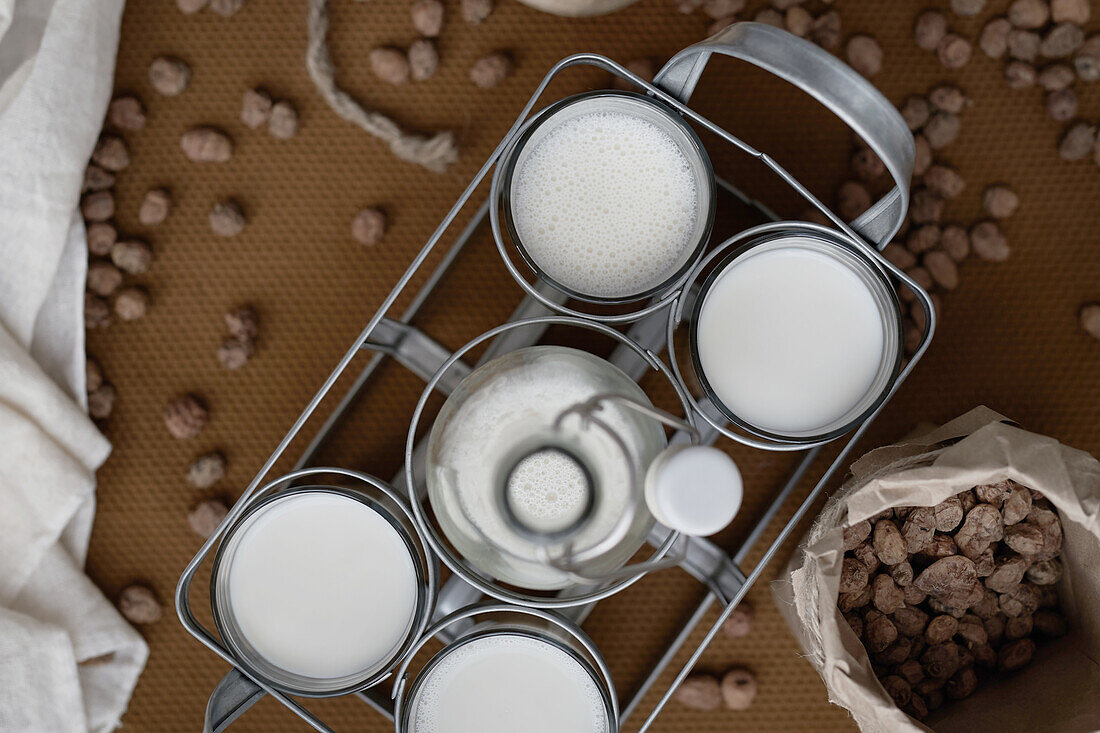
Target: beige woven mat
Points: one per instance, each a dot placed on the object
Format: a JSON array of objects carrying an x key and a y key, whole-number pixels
[{"x": 1008, "y": 336}]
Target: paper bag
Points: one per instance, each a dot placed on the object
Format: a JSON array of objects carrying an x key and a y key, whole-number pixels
[{"x": 1060, "y": 689}]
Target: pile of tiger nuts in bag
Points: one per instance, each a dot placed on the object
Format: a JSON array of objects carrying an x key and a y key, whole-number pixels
[{"x": 945, "y": 598}]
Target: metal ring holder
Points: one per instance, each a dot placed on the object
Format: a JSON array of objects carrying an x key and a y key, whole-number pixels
[
  {"x": 401, "y": 685},
  {"x": 459, "y": 565},
  {"x": 795, "y": 60}
]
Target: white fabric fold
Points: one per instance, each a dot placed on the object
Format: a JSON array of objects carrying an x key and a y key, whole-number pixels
[{"x": 68, "y": 660}]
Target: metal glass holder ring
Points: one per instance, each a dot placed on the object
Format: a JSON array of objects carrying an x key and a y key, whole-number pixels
[
  {"x": 713, "y": 417},
  {"x": 401, "y": 685},
  {"x": 500, "y": 199},
  {"x": 459, "y": 565},
  {"x": 390, "y": 334}
]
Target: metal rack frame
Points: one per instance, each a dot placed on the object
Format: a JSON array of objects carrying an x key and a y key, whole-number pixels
[{"x": 807, "y": 67}]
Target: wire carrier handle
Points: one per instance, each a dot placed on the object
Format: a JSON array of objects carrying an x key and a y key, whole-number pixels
[{"x": 832, "y": 83}]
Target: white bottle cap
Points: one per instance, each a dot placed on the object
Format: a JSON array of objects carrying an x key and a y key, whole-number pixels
[{"x": 693, "y": 489}]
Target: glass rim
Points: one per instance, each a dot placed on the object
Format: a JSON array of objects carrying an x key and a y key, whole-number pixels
[
  {"x": 510, "y": 160},
  {"x": 529, "y": 632},
  {"x": 852, "y": 256},
  {"x": 293, "y": 683}
]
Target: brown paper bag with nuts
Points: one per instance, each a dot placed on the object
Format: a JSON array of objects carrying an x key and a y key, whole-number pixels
[{"x": 1059, "y": 690}]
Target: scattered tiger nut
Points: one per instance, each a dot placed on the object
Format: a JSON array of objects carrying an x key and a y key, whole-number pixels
[
  {"x": 389, "y": 65},
  {"x": 132, "y": 256},
  {"x": 256, "y": 108},
  {"x": 101, "y": 401},
  {"x": 942, "y": 269},
  {"x": 922, "y": 158},
  {"x": 643, "y": 68},
  {"x": 139, "y": 605},
  {"x": 797, "y": 20},
  {"x": 852, "y": 199},
  {"x": 930, "y": 29},
  {"x": 1049, "y": 623},
  {"x": 93, "y": 374},
  {"x": 769, "y": 16},
  {"x": 1078, "y": 141},
  {"x": 206, "y": 470},
  {"x": 1070, "y": 11},
  {"x": 1062, "y": 105},
  {"x": 368, "y": 227},
  {"x": 867, "y": 165},
  {"x": 1089, "y": 318},
  {"x": 191, "y": 7},
  {"x": 988, "y": 242},
  {"x": 864, "y": 54},
  {"x": 1061, "y": 41},
  {"x": 111, "y": 153},
  {"x": 1019, "y": 75},
  {"x": 941, "y": 130},
  {"x": 967, "y": 8},
  {"x": 899, "y": 256},
  {"x": 226, "y": 218},
  {"x": 1087, "y": 59},
  {"x": 126, "y": 113},
  {"x": 131, "y": 303},
  {"x": 97, "y": 314},
  {"x": 283, "y": 122},
  {"x": 97, "y": 206},
  {"x": 948, "y": 98},
  {"x": 856, "y": 534},
  {"x": 185, "y": 417},
  {"x": 206, "y": 144},
  {"x": 1028, "y": 13},
  {"x": 1056, "y": 77},
  {"x": 475, "y": 12},
  {"x": 853, "y": 576},
  {"x": 489, "y": 71},
  {"x": 243, "y": 323},
  {"x": 423, "y": 59},
  {"x": 206, "y": 516},
  {"x": 953, "y": 51},
  {"x": 155, "y": 206},
  {"x": 97, "y": 179},
  {"x": 226, "y": 8},
  {"x": 739, "y": 623},
  {"x": 427, "y": 17},
  {"x": 169, "y": 75},
  {"x": 234, "y": 353},
  {"x": 915, "y": 111},
  {"x": 926, "y": 206},
  {"x": 825, "y": 31},
  {"x": 1023, "y": 45},
  {"x": 994, "y": 38},
  {"x": 700, "y": 692},
  {"x": 103, "y": 278},
  {"x": 944, "y": 181},
  {"x": 738, "y": 688}
]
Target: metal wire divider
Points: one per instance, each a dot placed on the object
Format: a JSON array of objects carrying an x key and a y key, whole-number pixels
[{"x": 396, "y": 338}]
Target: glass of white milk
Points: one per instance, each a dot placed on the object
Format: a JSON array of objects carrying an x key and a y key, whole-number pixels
[
  {"x": 503, "y": 677},
  {"x": 321, "y": 589},
  {"x": 608, "y": 196},
  {"x": 796, "y": 336}
]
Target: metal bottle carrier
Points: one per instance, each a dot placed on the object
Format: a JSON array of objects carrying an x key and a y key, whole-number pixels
[{"x": 651, "y": 330}]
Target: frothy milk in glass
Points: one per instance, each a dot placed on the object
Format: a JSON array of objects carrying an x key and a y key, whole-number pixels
[
  {"x": 790, "y": 339},
  {"x": 322, "y": 586},
  {"x": 606, "y": 204},
  {"x": 504, "y": 683}
]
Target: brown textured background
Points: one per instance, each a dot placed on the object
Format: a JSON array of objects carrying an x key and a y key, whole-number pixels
[{"x": 1008, "y": 336}]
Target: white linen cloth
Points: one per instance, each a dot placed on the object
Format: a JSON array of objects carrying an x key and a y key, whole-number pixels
[{"x": 68, "y": 660}]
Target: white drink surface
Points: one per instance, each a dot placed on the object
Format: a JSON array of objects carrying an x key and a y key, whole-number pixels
[
  {"x": 507, "y": 683},
  {"x": 790, "y": 339},
  {"x": 548, "y": 491},
  {"x": 605, "y": 204},
  {"x": 322, "y": 586}
]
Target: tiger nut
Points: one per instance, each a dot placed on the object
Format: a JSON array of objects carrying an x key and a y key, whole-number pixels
[
  {"x": 1089, "y": 317},
  {"x": 1070, "y": 11},
  {"x": 103, "y": 278},
  {"x": 953, "y": 51},
  {"x": 139, "y": 605},
  {"x": 1024, "y": 45},
  {"x": 126, "y": 113},
  {"x": 1015, "y": 654},
  {"x": 489, "y": 71},
  {"x": 131, "y": 304},
  {"x": 1020, "y": 75},
  {"x": 930, "y": 29},
  {"x": 1056, "y": 77},
  {"x": 475, "y": 12},
  {"x": 368, "y": 227},
  {"x": 423, "y": 59},
  {"x": 96, "y": 178},
  {"x": 700, "y": 692},
  {"x": 738, "y": 688},
  {"x": 226, "y": 218},
  {"x": 282, "y": 124},
  {"x": 131, "y": 256},
  {"x": 111, "y": 153},
  {"x": 941, "y": 129},
  {"x": 739, "y": 623},
  {"x": 988, "y": 242},
  {"x": 256, "y": 108},
  {"x": 155, "y": 207},
  {"x": 97, "y": 206},
  {"x": 243, "y": 323},
  {"x": 1062, "y": 105},
  {"x": 427, "y": 17},
  {"x": 206, "y": 470},
  {"x": 226, "y": 8},
  {"x": 234, "y": 353},
  {"x": 101, "y": 401},
  {"x": 206, "y": 516},
  {"x": 185, "y": 417},
  {"x": 1061, "y": 41},
  {"x": 864, "y": 54},
  {"x": 1028, "y": 13},
  {"x": 93, "y": 374},
  {"x": 206, "y": 145},
  {"x": 994, "y": 38},
  {"x": 169, "y": 75},
  {"x": 944, "y": 181},
  {"x": 97, "y": 314}
]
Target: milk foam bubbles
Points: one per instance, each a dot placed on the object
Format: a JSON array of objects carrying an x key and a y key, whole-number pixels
[
  {"x": 504, "y": 683},
  {"x": 322, "y": 586},
  {"x": 606, "y": 204},
  {"x": 548, "y": 491},
  {"x": 790, "y": 339}
]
